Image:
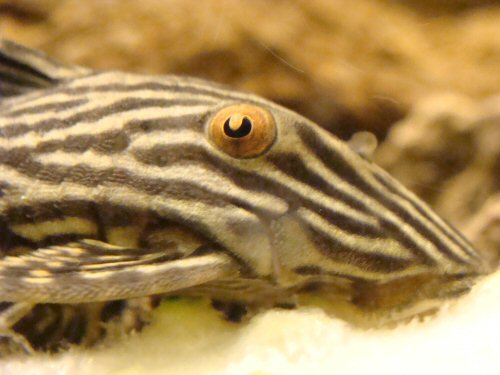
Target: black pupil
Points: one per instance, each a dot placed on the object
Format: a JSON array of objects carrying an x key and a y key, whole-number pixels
[{"x": 243, "y": 130}]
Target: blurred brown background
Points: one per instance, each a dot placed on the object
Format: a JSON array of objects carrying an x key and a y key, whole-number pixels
[{"x": 424, "y": 75}]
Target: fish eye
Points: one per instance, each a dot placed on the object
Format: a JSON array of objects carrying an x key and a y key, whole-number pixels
[{"x": 242, "y": 130}]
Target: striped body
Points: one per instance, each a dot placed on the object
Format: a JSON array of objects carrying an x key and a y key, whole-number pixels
[{"x": 124, "y": 159}]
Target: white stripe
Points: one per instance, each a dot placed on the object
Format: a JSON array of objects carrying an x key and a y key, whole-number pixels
[
  {"x": 213, "y": 217},
  {"x": 373, "y": 205},
  {"x": 74, "y": 103},
  {"x": 46, "y": 192},
  {"x": 364, "y": 170},
  {"x": 251, "y": 246},
  {"x": 120, "y": 78},
  {"x": 38, "y": 231},
  {"x": 113, "y": 122},
  {"x": 98, "y": 101},
  {"x": 310, "y": 192},
  {"x": 167, "y": 138},
  {"x": 415, "y": 200},
  {"x": 384, "y": 246},
  {"x": 214, "y": 182}
]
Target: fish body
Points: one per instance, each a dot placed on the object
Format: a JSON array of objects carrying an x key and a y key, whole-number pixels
[{"x": 118, "y": 186}]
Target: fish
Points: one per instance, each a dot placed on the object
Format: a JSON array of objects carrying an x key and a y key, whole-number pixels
[{"x": 120, "y": 189}]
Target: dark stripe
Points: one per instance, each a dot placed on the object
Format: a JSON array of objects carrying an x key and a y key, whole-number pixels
[
  {"x": 4, "y": 187},
  {"x": 312, "y": 270},
  {"x": 8, "y": 90},
  {"x": 93, "y": 115},
  {"x": 19, "y": 80},
  {"x": 164, "y": 155},
  {"x": 107, "y": 214},
  {"x": 339, "y": 252},
  {"x": 20, "y": 100},
  {"x": 114, "y": 141},
  {"x": 184, "y": 88},
  {"x": 40, "y": 212},
  {"x": 336, "y": 162},
  {"x": 447, "y": 229},
  {"x": 84, "y": 175},
  {"x": 111, "y": 142},
  {"x": 292, "y": 165},
  {"x": 6, "y": 60},
  {"x": 393, "y": 231},
  {"x": 190, "y": 121},
  {"x": 98, "y": 221},
  {"x": 96, "y": 255},
  {"x": 78, "y": 264},
  {"x": 309, "y": 270},
  {"x": 10, "y": 240},
  {"x": 48, "y": 107},
  {"x": 63, "y": 238}
]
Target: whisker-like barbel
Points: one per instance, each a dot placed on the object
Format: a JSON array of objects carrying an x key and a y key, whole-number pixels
[{"x": 116, "y": 186}]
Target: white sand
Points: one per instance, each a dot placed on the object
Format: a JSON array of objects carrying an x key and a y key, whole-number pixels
[{"x": 187, "y": 337}]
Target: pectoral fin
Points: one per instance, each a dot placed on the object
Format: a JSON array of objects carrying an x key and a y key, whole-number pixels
[
  {"x": 24, "y": 69},
  {"x": 91, "y": 271}
]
